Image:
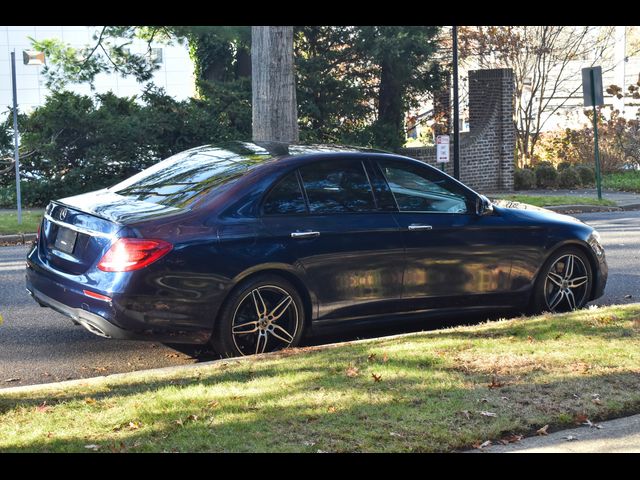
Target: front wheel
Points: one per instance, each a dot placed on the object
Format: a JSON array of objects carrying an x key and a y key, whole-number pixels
[
  {"x": 264, "y": 314},
  {"x": 564, "y": 283}
]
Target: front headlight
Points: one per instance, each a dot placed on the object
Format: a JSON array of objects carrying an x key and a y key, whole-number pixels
[{"x": 594, "y": 242}]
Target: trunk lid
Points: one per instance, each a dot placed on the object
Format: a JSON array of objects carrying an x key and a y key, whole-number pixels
[{"x": 77, "y": 231}]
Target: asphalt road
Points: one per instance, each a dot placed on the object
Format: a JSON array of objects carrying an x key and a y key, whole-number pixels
[{"x": 38, "y": 345}]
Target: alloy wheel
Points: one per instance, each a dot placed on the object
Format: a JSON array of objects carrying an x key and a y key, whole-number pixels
[
  {"x": 567, "y": 282},
  {"x": 265, "y": 320}
]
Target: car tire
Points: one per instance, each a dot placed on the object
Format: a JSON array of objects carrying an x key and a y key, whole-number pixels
[
  {"x": 263, "y": 314},
  {"x": 564, "y": 282}
]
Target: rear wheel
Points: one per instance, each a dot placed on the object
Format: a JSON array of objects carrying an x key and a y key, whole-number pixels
[
  {"x": 564, "y": 282},
  {"x": 263, "y": 315}
]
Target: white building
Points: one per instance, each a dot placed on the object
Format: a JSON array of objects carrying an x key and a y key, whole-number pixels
[{"x": 175, "y": 74}]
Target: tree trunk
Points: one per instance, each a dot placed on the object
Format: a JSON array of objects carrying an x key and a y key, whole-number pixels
[
  {"x": 390, "y": 112},
  {"x": 275, "y": 112}
]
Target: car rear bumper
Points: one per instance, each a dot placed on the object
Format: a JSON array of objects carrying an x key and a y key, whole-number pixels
[
  {"x": 123, "y": 317},
  {"x": 94, "y": 323}
]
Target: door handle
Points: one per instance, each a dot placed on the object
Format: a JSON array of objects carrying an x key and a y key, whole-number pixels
[
  {"x": 416, "y": 226},
  {"x": 305, "y": 234}
]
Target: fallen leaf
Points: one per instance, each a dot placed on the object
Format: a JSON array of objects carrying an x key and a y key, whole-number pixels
[
  {"x": 542, "y": 431},
  {"x": 376, "y": 377},
  {"x": 192, "y": 418},
  {"x": 9, "y": 380},
  {"x": 511, "y": 439},
  {"x": 597, "y": 401},
  {"x": 580, "y": 418},
  {"x": 134, "y": 425},
  {"x": 43, "y": 407},
  {"x": 385, "y": 358},
  {"x": 331, "y": 409},
  {"x": 530, "y": 339},
  {"x": 627, "y": 296},
  {"x": 213, "y": 404},
  {"x": 371, "y": 357},
  {"x": 495, "y": 383},
  {"x": 171, "y": 355},
  {"x": 89, "y": 400},
  {"x": 488, "y": 443},
  {"x": 92, "y": 447},
  {"x": 570, "y": 438},
  {"x": 352, "y": 372},
  {"x": 488, "y": 414}
]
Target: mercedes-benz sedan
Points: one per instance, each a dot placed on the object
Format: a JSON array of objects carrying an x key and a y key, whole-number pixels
[{"x": 249, "y": 246}]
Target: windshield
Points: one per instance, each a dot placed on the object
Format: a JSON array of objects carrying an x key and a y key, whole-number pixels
[{"x": 184, "y": 177}]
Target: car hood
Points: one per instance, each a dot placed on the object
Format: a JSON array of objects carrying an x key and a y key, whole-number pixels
[{"x": 535, "y": 213}]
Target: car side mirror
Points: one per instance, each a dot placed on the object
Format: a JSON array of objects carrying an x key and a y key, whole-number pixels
[{"x": 483, "y": 206}]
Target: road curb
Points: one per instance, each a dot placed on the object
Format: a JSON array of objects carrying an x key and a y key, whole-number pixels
[
  {"x": 167, "y": 371},
  {"x": 17, "y": 239}
]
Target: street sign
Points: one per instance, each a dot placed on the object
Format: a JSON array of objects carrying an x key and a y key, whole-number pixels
[
  {"x": 442, "y": 149},
  {"x": 592, "y": 86},
  {"x": 592, "y": 92}
]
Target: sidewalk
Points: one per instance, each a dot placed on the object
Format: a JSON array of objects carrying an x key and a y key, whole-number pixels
[{"x": 615, "y": 436}]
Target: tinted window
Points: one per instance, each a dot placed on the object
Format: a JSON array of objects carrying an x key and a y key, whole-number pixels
[
  {"x": 418, "y": 189},
  {"x": 285, "y": 198},
  {"x": 337, "y": 186}
]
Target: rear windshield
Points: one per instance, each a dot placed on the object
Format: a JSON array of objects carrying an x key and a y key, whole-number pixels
[{"x": 186, "y": 176}]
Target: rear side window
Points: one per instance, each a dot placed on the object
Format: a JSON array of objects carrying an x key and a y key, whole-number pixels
[
  {"x": 337, "y": 186},
  {"x": 285, "y": 198}
]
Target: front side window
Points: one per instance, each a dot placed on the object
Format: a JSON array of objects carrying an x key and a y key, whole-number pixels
[
  {"x": 419, "y": 189},
  {"x": 337, "y": 186},
  {"x": 285, "y": 198}
]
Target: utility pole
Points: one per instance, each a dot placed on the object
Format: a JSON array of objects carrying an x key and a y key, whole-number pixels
[
  {"x": 15, "y": 135},
  {"x": 456, "y": 112}
]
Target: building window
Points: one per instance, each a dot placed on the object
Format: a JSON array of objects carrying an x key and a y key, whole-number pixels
[{"x": 156, "y": 55}]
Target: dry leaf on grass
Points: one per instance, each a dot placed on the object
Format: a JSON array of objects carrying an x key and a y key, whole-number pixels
[
  {"x": 376, "y": 377},
  {"x": 488, "y": 443},
  {"x": 488, "y": 414},
  {"x": 352, "y": 372},
  {"x": 542, "y": 431}
]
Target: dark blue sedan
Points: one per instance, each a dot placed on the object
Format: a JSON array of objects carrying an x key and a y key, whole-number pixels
[{"x": 249, "y": 246}]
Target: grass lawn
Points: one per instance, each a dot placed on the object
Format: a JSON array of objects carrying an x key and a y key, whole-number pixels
[
  {"x": 9, "y": 222},
  {"x": 627, "y": 181},
  {"x": 548, "y": 201},
  {"x": 424, "y": 392}
]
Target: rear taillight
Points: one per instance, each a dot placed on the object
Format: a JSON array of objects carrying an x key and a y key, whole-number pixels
[{"x": 133, "y": 253}]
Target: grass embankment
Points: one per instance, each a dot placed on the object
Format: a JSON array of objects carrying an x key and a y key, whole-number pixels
[
  {"x": 627, "y": 181},
  {"x": 429, "y": 391},
  {"x": 549, "y": 201},
  {"x": 30, "y": 221}
]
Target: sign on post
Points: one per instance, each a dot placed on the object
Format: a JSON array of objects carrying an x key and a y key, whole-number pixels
[
  {"x": 442, "y": 149},
  {"x": 592, "y": 86},
  {"x": 593, "y": 97}
]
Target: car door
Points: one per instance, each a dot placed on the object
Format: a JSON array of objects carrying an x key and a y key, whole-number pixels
[
  {"x": 454, "y": 257},
  {"x": 351, "y": 250}
]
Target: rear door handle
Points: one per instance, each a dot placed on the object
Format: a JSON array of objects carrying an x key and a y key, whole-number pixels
[
  {"x": 305, "y": 234},
  {"x": 417, "y": 226}
]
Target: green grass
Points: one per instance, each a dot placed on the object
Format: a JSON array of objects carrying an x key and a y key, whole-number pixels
[
  {"x": 431, "y": 391},
  {"x": 548, "y": 200},
  {"x": 627, "y": 181},
  {"x": 9, "y": 222}
]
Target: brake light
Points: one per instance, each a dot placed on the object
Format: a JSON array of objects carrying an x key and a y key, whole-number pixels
[{"x": 132, "y": 254}]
